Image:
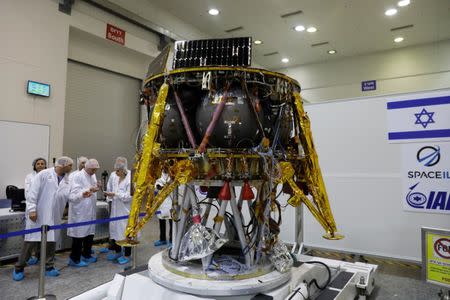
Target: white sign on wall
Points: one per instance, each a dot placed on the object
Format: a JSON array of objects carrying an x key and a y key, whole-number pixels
[
  {"x": 419, "y": 119},
  {"x": 426, "y": 177}
]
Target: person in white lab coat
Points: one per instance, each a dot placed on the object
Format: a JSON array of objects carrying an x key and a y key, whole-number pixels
[
  {"x": 163, "y": 212},
  {"x": 42, "y": 208},
  {"x": 38, "y": 164},
  {"x": 82, "y": 208},
  {"x": 81, "y": 162},
  {"x": 111, "y": 247},
  {"x": 119, "y": 191}
]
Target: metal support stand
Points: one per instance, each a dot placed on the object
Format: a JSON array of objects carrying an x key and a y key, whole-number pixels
[
  {"x": 298, "y": 230},
  {"x": 176, "y": 208},
  {"x": 181, "y": 225},
  {"x": 43, "y": 260},
  {"x": 239, "y": 227},
  {"x": 134, "y": 257},
  {"x": 207, "y": 211}
]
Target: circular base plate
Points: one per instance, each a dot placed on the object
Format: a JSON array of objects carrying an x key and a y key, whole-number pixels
[{"x": 189, "y": 281}]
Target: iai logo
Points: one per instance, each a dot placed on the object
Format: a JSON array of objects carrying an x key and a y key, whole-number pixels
[
  {"x": 416, "y": 199},
  {"x": 433, "y": 200},
  {"x": 429, "y": 155}
]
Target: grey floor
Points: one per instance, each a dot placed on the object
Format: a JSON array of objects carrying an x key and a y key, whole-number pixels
[{"x": 395, "y": 281}]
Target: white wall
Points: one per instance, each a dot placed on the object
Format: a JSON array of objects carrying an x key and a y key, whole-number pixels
[
  {"x": 87, "y": 42},
  {"x": 96, "y": 51},
  {"x": 34, "y": 46},
  {"x": 361, "y": 170},
  {"x": 403, "y": 70},
  {"x": 362, "y": 174}
]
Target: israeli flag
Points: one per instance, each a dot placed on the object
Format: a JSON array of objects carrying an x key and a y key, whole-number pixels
[{"x": 419, "y": 119}]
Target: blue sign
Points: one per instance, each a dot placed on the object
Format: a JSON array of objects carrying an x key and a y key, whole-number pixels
[{"x": 370, "y": 85}]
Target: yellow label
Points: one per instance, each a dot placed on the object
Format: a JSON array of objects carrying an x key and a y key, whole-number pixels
[{"x": 438, "y": 258}]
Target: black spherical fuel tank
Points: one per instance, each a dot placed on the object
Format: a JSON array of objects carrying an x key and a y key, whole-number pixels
[
  {"x": 237, "y": 126},
  {"x": 172, "y": 132}
]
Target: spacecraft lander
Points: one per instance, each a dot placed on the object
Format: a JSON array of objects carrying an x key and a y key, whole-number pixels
[{"x": 241, "y": 137}]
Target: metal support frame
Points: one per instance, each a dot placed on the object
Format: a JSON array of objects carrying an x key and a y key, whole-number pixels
[
  {"x": 181, "y": 225},
  {"x": 298, "y": 231},
  {"x": 190, "y": 202}
]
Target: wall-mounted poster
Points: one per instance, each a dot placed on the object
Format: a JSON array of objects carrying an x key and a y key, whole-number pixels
[{"x": 426, "y": 177}]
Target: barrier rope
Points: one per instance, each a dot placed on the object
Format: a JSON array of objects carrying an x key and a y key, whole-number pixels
[{"x": 63, "y": 226}]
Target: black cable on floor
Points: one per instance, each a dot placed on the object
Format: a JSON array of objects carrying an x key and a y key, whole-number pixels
[
  {"x": 297, "y": 291},
  {"x": 314, "y": 281}
]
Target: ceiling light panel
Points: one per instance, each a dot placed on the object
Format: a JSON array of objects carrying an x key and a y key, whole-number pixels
[
  {"x": 213, "y": 12},
  {"x": 402, "y": 3},
  {"x": 390, "y": 12}
]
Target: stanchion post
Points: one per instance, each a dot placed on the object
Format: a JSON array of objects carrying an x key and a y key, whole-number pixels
[
  {"x": 134, "y": 257},
  {"x": 43, "y": 258}
]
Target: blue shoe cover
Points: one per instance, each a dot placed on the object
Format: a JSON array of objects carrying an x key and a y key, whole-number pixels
[
  {"x": 123, "y": 260},
  {"x": 90, "y": 260},
  {"x": 32, "y": 260},
  {"x": 52, "y": 272},
  {"x": 78, "y": 265},
  {"x": 18, "y": 276},
  {"x": 113, "y": 256}
]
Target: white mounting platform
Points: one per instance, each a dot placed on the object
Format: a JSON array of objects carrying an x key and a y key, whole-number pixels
[
  {"x": 160, "y": 274},
  {"x": 140, "y": 286}
]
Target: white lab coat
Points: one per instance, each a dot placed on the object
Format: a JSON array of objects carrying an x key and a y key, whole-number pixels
[
  {"x": 72, "y": 175},
  {"x": 82, "y": 209},
  {"x": 120, "y": 205},
  {"x": 44, "y": 197},
  {"x": 109, "y": 185},
  {"x": 28, "y": 180},
  {"x": 163, "y": 211}
]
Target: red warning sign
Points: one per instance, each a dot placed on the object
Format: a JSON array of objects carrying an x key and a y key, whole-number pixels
[{"x": 442, "y": 248}]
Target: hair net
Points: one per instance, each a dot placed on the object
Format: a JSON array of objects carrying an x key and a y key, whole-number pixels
[
  {"x": 63, "y": 161},
  {"x": 121, "y": 163},
  {"x": 81, "y": 159},
  {"x": 36, "y": 160},
  {"x": 92, "y": 163}
]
